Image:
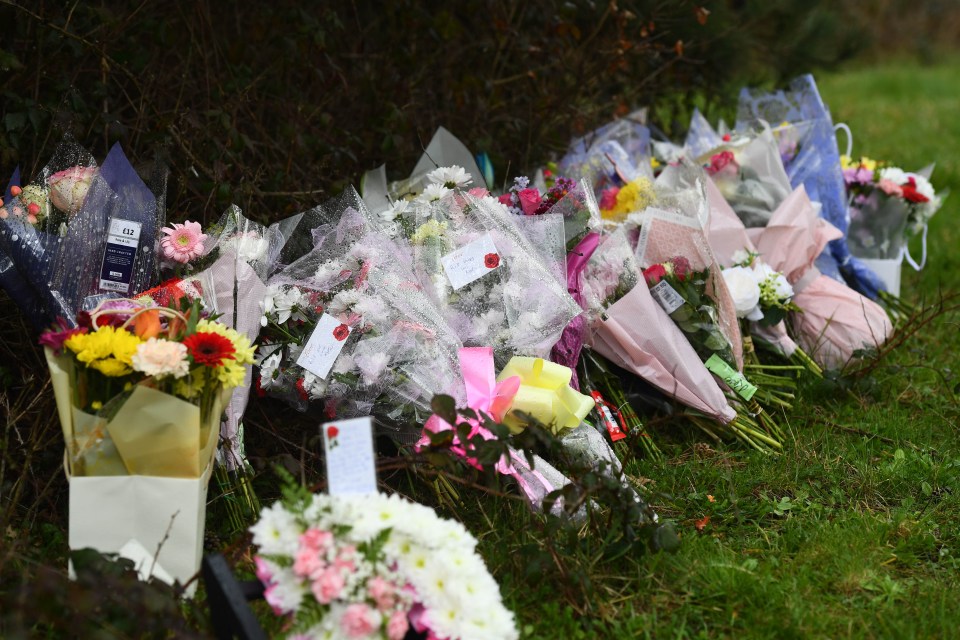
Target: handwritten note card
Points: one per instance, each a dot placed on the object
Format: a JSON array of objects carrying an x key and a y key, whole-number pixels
[
  {"x": 349, "y": 451},
  {"x": 324, "y": 345},
  {"x": 471, "y": 261}
]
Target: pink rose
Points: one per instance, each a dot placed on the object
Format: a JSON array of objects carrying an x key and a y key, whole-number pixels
[
  {"x": 328, "y": 586},
  {"x": 506, "y": 199},
  {"x": 398, "y": 625},
  {"x": 358, "y": 621},
  {"x": 608, "y": 199},
  {"x": 382, "y": 592},
  {"x": 68, "y": 188},
  {"x": 724, "y": 164},
  {"x": 478, "y": 192},
  {"x": 890, "y": 188},
  {"x": 529, "y": 201}
]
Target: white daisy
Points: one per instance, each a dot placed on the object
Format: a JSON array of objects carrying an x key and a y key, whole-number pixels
[{"x": 453, "y": 177}]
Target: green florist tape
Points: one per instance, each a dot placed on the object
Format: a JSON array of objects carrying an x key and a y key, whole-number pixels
[{"x": 733, "y": 378}]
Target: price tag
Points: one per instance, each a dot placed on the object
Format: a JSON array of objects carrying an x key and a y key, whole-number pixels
[
  {"x": 666, "y": 296},
  {"x": 123, "y": 239},
  {"x": 471, "y": 262},
  {"x": 324, "y": 345},
  {"x": 731, "y": 377},
  {"x": 351, "y": 468}
]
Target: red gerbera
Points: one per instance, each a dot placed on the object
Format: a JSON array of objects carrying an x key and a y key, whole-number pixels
[
  {"x": 341, "y": 332},
  {"x": 491, "y": 260},
  {"x": 209, "y": 349}
]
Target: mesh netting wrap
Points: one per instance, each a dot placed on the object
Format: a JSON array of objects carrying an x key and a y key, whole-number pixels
[
  {"x": 399, "y": 352},
  {"x": 256, "y": 245},
  {"x": 815, "y": 165},
  {"x": 630, "y": 329},
  {"x": 15, "y": 283},
  {"x": 110, "y": 246}
]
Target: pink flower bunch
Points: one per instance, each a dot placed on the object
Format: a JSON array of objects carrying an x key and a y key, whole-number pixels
[
  {"x": 723, "y": 164},
  {"x": 182, "y": 242}
]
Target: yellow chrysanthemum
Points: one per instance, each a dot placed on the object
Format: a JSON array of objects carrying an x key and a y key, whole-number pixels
[
  {"x": 111, "y": 367},
  {"x": 429, "y": 229},
  {"x": 634, "y": 196},
  {"x": 846, "y": 162},
  {"x": 231, "y": 374},
  {"x": 244, "y": 350}
]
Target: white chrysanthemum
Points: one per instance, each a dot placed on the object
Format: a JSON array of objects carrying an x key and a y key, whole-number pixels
[
  {"x": 745, "y": 291},
  {"x": 400, "y": 208},
  {"x": 314, "y": 385},
  {"x": 161, "y": 358},
  {"x": 372, "y": 310},
  {"x": 453, "y": 177},
  {"x": 249, "y": 246},
  {"x": 894, "y": 175},
  {"x": 286, "y": 591},
  {"x": 344, "y": 301},
  {"x": 277, "y": 532},
  {"x": 372, "y": 366},
  {"x": 268, "y": 369},
  {"x": 328, "y": 274},
  {"x": 433, "y": 193},
  {"x": 344, "y": 363},
  {"x": 281, "y": 303}
]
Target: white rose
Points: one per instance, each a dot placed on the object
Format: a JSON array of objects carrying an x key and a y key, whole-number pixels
[{"x": 745, "y": 292}]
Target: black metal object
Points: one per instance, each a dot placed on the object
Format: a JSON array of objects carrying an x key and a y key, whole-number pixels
[{"x": 227, "y": 597}]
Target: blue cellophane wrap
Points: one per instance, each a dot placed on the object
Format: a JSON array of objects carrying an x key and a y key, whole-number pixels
[
  {"x": 816, "y": 165},
  {"x": 620, "y": 148},
  {"x": 14, "y": 283}
]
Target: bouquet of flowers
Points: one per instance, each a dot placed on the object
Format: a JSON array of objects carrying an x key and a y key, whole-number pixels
[
  {"x": 629, "y": 328},
  {"x": 887, "y": 205},
  {"x": 33, "y": 221},
  {"x": 140, "y": 388},
  {"x": 836, "y": 321},
  {"x": 477, "y": 266},
  {"x": 347, "y": 324},
  {"x": 814, "y": 162},
  {"x": 374, "y": 566}
]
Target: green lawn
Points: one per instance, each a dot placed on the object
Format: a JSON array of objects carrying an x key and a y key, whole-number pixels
[{"x": 853, "y": 532}]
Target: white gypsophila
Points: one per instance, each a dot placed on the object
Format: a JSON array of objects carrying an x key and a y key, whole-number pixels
[
  {"x": 452, "y": 177},
  {"x": 249, "y": 246},
  {"x": 895, "y": 175},
  {"x": 344, "y": 301},
  {"x": 277, "y": 531},
  {"x": 433, "y": 193},
  {"x": 745, "y": 291},
  {"x": 740, "y": 256}
]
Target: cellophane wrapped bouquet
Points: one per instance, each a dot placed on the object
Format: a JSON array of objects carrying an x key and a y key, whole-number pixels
[
  {"x": 374, "y": 566},
  {"x": 477, "y": 266},
  {"x": 348, "y": 325},
  {"x": 140, "y": 388}
]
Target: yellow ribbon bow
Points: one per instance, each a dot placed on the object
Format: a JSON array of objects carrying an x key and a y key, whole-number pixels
[{"x": 545, "y": 394}]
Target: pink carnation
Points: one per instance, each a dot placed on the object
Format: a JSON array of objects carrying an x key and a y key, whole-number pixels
[
  {"x": 358, "y": 621},
  {"x": 264, "y": 574},
  {"x": 328, "y": 586},
  {"x": 398, "y": 625},
  {"x": 890, "y": 188},
  {"x": 183, "y": 242},
  {"x": 307, "y": 563},
  {"x": 382, "y": 592},
  {"x": 529, "y": 201},
  {"x": 317, "y": 539}
]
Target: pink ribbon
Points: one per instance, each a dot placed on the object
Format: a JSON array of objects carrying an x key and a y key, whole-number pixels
[{"x": 486, "y": 395}]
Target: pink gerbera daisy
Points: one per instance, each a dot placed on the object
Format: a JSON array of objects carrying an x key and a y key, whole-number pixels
[{"x": 183, "y": 242}]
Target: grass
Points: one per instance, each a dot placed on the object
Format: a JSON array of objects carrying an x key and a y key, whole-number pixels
[{"x": 851, "y": 533}]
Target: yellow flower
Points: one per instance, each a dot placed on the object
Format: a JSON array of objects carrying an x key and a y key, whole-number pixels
[
  {"x": 654, "y": 163},
  {"x": 231, "y": 374},
  {"x": 111, "y": 367},
  {"x": 635, "y": 196},
  {"x": 846, "y": 162},
  {"x": 868, "y": 164},
  {"x": 429, "y": 229},
  {"x": 244, "y": 350}
]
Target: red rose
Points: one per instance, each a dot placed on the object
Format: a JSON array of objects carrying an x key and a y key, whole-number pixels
[
  {"x": 654, "y": 274},
  {"x": 332, "y": 432},
  {"x": 506, "y": 199},
  {"x": 341, "y": 332},
  {"x": 491, "y": 260},
  {"x": 910, "y": 193}
]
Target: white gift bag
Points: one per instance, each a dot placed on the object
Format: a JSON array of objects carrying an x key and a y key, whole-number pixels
[
  {"x": 155, "y": 522},
  {"x": 888, "y": 271}
]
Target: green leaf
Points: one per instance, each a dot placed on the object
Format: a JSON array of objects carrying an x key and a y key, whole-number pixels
[{"x": 445, "y": 407}]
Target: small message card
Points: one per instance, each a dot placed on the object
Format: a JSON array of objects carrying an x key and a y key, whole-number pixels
[
  {"x": 348, "y": 445},
  {"x": 471, "y": 261},
  {"x": 324, "y": 345}
]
